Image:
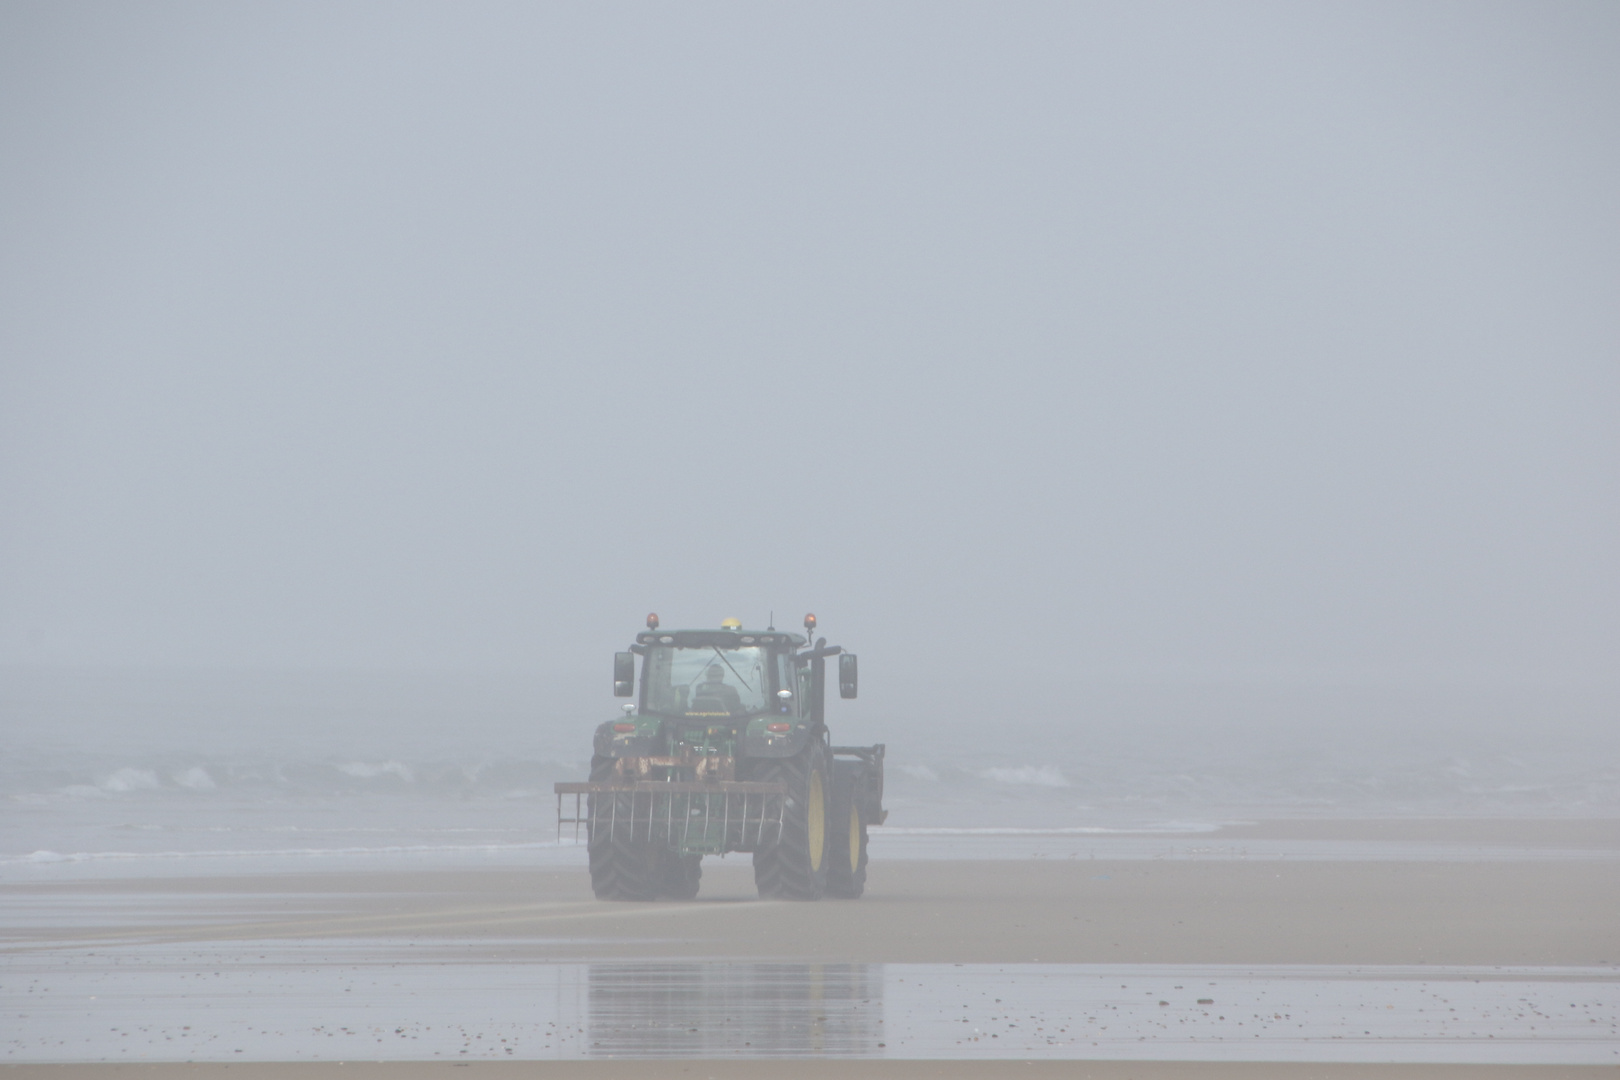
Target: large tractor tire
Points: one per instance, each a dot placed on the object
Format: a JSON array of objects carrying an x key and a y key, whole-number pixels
[
  {"x": 621, "y": 868},
  {"x": 794, "y": 865},
  {"x": 678, "y": 875},
  {"x": 846, "y": 844}
]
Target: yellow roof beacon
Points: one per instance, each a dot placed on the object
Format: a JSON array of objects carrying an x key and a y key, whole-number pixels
[{"x": 731, "y": 624}]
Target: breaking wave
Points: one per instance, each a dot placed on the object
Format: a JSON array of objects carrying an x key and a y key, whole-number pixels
[
  {"x": 38, "y": 858},
  {"x": 84, "y": 777},
  {"x": 1032, "y": 775},
  {"x": 131, "y": 780},
  {"x": 366, "y": 770},
  {"x": 195, "y": 778}
]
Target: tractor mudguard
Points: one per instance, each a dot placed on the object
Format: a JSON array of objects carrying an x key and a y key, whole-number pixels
[
  {"x": 759, "y": 741},
  {"x": 861, "y": 769},
  {"x": 610, "y": 743}
]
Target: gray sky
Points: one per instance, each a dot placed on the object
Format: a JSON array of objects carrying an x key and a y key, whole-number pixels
[{"x": 1265, "y": 341}]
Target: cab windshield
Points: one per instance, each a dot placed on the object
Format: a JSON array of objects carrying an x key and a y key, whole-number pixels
[{"x": 707, "y": 682}]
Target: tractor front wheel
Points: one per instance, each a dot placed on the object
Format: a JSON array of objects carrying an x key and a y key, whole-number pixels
[
  {"x": 621, "y": 868},
  {"x": 794, "y": 865}
]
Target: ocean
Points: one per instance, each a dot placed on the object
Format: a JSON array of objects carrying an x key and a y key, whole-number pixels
[{"x": 134, "y": 773}]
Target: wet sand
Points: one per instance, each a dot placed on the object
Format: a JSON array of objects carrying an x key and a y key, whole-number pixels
[
  {"x": 1546, "y": 912},
  {"x": 800, "y": 1069},
  {"x": 1092, "y": 911}
]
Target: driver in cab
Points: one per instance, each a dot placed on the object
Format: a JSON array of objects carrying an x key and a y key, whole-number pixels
[{"x": 713, "y": 695}]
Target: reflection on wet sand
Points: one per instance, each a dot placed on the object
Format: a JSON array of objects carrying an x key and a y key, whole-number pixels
[
  {"x": 388, "y": 999},
  {"x": 716, "y": 1010}
]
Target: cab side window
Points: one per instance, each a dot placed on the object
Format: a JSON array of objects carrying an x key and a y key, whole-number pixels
[
  {"x": 786, "y": 681},
  {"x": 803, "y": 693}
]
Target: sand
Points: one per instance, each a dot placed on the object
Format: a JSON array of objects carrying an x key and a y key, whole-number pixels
[
  {"x": 1542, "y": 912},
  {"x": 798, "y": 1069},
  {"x": 927, "y": 912}
]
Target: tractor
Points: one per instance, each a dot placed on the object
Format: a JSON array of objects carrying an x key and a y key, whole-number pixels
[{"x": 726, "y": 749}]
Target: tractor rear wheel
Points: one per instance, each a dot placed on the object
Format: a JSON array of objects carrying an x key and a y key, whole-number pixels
[
  {"x": 794, "y": 864},
  {"x": 846, "y": 843},
  {"x": 621, "y": 868}
]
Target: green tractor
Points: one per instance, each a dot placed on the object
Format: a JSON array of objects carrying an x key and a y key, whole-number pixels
[{"x": 726, "y": 750}]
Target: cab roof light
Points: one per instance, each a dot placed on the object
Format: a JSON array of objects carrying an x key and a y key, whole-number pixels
[{"x": 652, "y": 621}]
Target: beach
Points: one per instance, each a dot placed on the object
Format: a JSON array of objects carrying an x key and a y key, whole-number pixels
[{"x": 1097, "y": 961}]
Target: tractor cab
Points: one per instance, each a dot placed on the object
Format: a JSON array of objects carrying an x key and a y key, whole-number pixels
[
  {"x": 718, "y": 677},
  {"x": 730, "y": 676}
]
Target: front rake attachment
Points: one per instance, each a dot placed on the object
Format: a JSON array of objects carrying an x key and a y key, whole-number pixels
[{"x": 694, "y": 817}]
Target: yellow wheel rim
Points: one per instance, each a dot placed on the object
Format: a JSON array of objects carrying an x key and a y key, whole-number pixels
[
  {"x": 818, "y": 820},
  {"x": 854, "y": 839}
]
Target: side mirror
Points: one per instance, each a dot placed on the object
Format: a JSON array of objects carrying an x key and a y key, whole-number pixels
[
  {"x": 847, "y": 676},
  {"x": 624, "y": 674}
]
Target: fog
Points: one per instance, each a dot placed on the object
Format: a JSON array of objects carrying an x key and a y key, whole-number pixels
[{"x": 1161, "y": 382}]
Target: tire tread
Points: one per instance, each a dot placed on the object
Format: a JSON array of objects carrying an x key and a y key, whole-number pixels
[{"x": 782, "y": 869}]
